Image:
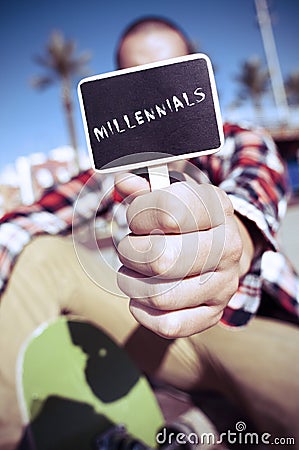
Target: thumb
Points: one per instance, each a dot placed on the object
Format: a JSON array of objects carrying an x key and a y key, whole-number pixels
[{"x": 130, "y": 186}]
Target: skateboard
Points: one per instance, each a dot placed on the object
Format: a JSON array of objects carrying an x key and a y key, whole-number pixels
[{"x": 78, "y": 390}]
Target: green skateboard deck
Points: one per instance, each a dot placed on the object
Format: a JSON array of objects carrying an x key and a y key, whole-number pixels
[{"x": 76, "y": 384}]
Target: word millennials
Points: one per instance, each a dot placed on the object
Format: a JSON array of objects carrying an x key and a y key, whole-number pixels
[{"x": 130, "y": 121}]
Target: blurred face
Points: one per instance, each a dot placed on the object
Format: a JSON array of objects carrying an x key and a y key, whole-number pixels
[{"x": 146, "y": 47}]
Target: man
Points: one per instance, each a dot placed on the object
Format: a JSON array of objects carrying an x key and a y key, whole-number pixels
[{"x": 232, "y": 224}]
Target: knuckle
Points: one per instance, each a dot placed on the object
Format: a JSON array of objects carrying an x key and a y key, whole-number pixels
[
  {"x": 236, "y": 251},
  {"x": 166, "y": 214},
  {"x": 229, "y": 285},
  {"x": 166, "y": 221},
  {"x": 161, "y": 260},
  {"x": 221, "y": 196},
  {"x": 169, "y": 327},
  {"x": 176, "y": 206},
  {"x": 216, "y": 204},
  {"x": 234, "y": 244},
  {"x": 225, "y": 201},
  {"x": 215, "y": 318},
  {"x": 158, "y": 301}
]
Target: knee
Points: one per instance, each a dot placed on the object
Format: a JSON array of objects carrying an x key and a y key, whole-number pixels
[
  {"x": 43, "y": 271},
  {"x": 46, "y": 249}
]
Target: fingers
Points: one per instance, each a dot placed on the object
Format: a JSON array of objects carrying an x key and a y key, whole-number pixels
[
  {"x": 180, "y": 208},
  {"x": 175, "y": 324},
  {"x": 178, "y": 308},
  {"x": 179, "y": 256},
  {"x": 170, "y": 295},
  {"x": 129, "y": 186}
]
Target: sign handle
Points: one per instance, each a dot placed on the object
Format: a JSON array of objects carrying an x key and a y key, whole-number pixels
[{"x": 158, "y": 176}]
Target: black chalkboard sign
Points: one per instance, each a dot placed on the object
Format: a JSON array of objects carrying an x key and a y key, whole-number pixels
[{"x": 151, "y": 114}]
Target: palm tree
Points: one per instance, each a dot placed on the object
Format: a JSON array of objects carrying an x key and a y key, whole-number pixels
[
  {"x": 292, "y": 88},
  {"x": 253, "y": 80},
  {"x": 63, "y": 65}
]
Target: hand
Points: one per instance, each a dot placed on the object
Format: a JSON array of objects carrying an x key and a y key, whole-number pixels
[{"x": 183, "y": 260}]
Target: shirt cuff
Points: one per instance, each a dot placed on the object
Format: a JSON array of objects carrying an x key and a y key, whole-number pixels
[{"x": 252, "y": 213}]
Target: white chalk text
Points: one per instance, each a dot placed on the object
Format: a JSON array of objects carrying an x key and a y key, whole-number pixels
[{"x": 126, "y": 122}]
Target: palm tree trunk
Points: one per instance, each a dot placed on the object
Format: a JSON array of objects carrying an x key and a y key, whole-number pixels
[
  {"x": 257, "y": 105},
  {"x": 68, "y": 107}
]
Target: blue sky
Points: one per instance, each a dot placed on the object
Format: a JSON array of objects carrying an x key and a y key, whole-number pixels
[{"x": 33, "y": 121}]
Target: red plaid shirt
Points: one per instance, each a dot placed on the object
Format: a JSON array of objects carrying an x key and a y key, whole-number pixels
[{"x": 248, "y": 168}]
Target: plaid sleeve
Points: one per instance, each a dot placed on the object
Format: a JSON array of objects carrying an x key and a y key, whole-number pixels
[
  {"x": 281, "y": 281},
  {"x": 254, "y": 176},
  {"x": 250, "y": 170},
  {"x": 52, "y": 214}
]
